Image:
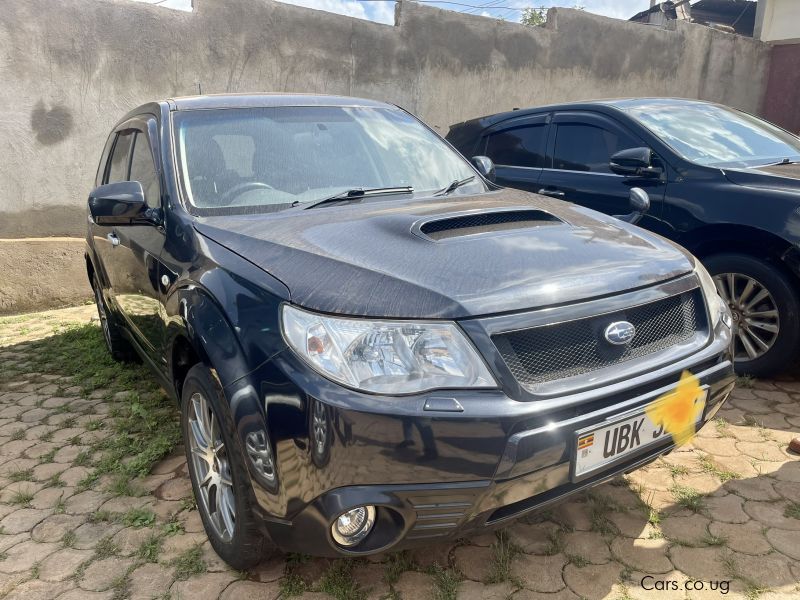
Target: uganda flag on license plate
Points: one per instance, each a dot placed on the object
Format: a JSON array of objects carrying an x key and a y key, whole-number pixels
[{"x": 585, "y": 441}]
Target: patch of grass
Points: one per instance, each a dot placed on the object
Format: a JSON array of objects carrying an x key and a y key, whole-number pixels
[
  {"x": 599, "y": 508},
  {"x": 745, "y": 381},
  {"x": 106, "y": 547},
  {"x": 139, "y": 517},
  {"x": 35, "y": 570},
  {"x": 101, "y": 516},
  {"x": 94, "y": 425},
  {"x": 69, "y": 422},
  {"x": 61, "y": 507},
  {"x": 678, "y": 470},
  {"x": 721, "y": 425},
  {"x": 48, "y": 457},
  {"x": 22, "y": 498},
  {"x": 188, "y": 503},
  {"x": 46, "y": 436},
  {"x": 577, "y": 560},
  {"x": 68, "y": 539},
  {"x": 654, "y": 517},
  {"x": 189, "y": 563},
  {"x": 445, "y": 583},
  {"x": 752, "y": 589},
  {"x": 337, "y": 581},
  {"x": 503, "y": 553},
  {"x": 292, "y": 585},
  {"x": 122, "y": 485},
  {"x": 18, "y": 434},
  {"x": 688, "y": 498},
  {"x": 792, "y": 511},
  {"x": 150, "y": 548},
  {"x": 711, "y": 468},
  {"x": 75, "y": 440},
  {"x": 173, "y": 528},
  {"x": 710, "y": 539},
  {"x": 21, "y": 475},
  {"x": 84, "y": 459},
  {"x": 397, "y": 564},
  {"x": 555, "y": 542},
  {"x": 55, "y": 481}
]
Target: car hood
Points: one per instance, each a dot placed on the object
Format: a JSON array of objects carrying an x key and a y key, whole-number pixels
[
  {"x": 447, "y": 257},
  {"x": 774, "y": 177}
]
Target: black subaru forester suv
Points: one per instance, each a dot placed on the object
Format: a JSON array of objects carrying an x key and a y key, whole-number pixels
[{"x": 371, "y": 345}]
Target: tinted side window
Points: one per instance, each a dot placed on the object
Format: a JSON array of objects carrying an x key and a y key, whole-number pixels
[
  {"x": 519, "y": 147},
  {"x": 143, "y": 170},
  {"x": 582, "y": 147},
  {"x": 118, "y": 165}
]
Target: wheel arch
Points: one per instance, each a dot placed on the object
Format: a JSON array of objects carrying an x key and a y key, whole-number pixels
[{"x": 740, "y": 239}]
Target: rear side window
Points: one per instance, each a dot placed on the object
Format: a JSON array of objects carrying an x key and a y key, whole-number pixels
[
  {"x": 583, "y": 147},
  {"x": 143, "y": 170},
  {"x": 118, "y": 164},
  {"x": 518, "y": 147}
]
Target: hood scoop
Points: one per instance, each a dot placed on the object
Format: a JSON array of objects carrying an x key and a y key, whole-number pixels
[{"x": 483, "y": 222}]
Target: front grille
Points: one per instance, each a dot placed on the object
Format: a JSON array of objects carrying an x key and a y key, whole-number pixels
[{"x": 539, "y": 355}]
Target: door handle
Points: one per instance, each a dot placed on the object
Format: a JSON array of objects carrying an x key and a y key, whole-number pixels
[
  {"x": 112, "y": 237},
  {"x": 551, "y": 193}
]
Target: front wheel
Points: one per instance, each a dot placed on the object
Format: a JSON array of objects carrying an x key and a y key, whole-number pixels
[
  {"x": 218, "y": 472},
  {"x": 765, "y": 312}
]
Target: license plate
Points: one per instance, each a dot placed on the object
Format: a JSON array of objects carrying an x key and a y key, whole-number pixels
[{"x": 601, "y": 446}]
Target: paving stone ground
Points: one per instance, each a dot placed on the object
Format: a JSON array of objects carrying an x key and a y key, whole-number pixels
[{"x": 719, "y": 518}]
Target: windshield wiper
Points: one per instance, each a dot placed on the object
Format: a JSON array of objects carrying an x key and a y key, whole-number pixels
[
  {"x": 783, "y": 161},
  {"x": 453, "y": 186},
  {"x": 358, "y": 193}
]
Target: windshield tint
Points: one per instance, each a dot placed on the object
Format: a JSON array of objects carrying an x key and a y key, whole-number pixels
[
  {"x": 267, "y": 159},
  {"x": 715, "y": 135}
]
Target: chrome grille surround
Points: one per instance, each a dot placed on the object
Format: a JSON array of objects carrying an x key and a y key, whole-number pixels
[{"x": 562, "y": 349}]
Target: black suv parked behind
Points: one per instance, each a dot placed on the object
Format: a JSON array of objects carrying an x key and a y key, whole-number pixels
[
  {"x": 722, "y": 183},
  {"x": 371, "y": 345}
]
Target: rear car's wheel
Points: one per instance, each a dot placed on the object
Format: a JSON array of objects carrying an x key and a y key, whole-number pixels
[
  {"x": 119, "y": 348},
  {"x": 217, "y": 470},
  {"x": 765, "y": 311}
]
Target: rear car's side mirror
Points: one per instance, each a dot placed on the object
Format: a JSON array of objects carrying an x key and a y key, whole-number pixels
[
  {"x": 640, "y": 204},
  {"x": 484, "y": 165},
  {"x": 634, "y": 162},
  {"x": 119, "y": 203}
]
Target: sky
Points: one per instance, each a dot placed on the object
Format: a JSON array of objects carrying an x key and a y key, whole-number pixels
[{"x": 510, "y": 10}]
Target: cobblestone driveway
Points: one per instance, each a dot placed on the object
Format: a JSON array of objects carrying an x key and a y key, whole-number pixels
[{"x": 89, "y": 509}]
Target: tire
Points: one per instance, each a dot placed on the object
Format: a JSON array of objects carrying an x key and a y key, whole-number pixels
[
  {"x": 234, "y": 534},
  {"x": 119, "y": 347},
  {"x": 766, "y": 333}
]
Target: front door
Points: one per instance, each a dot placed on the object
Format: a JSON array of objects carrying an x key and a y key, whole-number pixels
[
  {"x": 580, "y": 147},
  {"x": 134, "y": 250}
]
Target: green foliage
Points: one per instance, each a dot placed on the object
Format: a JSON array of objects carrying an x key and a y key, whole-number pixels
[
  {"x": 533, "y": 17},
  {"x": 338, "y": 581},
  {"x": 189, "y": 563}
]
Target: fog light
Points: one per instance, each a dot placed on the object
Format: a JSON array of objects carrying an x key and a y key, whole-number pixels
[{"x": 353, "y": 526}]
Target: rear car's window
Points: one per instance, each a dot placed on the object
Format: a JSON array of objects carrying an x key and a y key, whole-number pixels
[
  {"x": 519, "y": 147},
  {"x": 266, "y": 159},
  {"x": 583, "y": 147}
]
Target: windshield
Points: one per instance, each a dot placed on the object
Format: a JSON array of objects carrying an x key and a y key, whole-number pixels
[
  {"x": 716, "y": 136},
  {"x": 267, "y": 159}
]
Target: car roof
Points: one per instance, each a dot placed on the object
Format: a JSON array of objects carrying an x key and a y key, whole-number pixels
[
  {"x": 212, "y": 101},
  {"x": 617, "y": 103}
]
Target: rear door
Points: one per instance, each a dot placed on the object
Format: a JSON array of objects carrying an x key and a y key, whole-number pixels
[
  {"x": 517, "y": 148},
  {"x": 580, "y": 146}
]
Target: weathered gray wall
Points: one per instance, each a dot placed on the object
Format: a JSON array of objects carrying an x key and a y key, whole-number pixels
[{"x": 70, "y": 68}]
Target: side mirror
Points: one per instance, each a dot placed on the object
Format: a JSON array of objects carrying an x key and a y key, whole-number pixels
[
  {"x": 634, "y": 162},
  {"x": 484, "y": 165},
  {"x": 120, "y": 203},
  {"x": 640, "y": 204}
]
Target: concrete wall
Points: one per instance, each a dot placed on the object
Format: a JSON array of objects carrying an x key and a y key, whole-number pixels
[
  {"x": 778, "y": 21},
  {"x": 70, "y": 68}
]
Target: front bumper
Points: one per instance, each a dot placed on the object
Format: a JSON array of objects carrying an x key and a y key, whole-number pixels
[{"x": 466, "y": 471}]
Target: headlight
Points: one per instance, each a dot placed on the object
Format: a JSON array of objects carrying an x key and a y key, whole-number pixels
[
  {"x": 385, "y": 357},
  {"x": 717, "y": 307}
]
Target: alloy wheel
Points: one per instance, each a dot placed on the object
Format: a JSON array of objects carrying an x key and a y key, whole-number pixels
[
  {"x": 756, "y": 322},
  {"x": 211, "y": 467}
]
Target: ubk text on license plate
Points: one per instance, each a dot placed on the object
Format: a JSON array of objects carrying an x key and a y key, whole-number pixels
[{"x": 599, "y": 446}]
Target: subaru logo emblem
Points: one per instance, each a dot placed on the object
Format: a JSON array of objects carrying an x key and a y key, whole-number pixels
[{"x": 620, "y": 332}]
